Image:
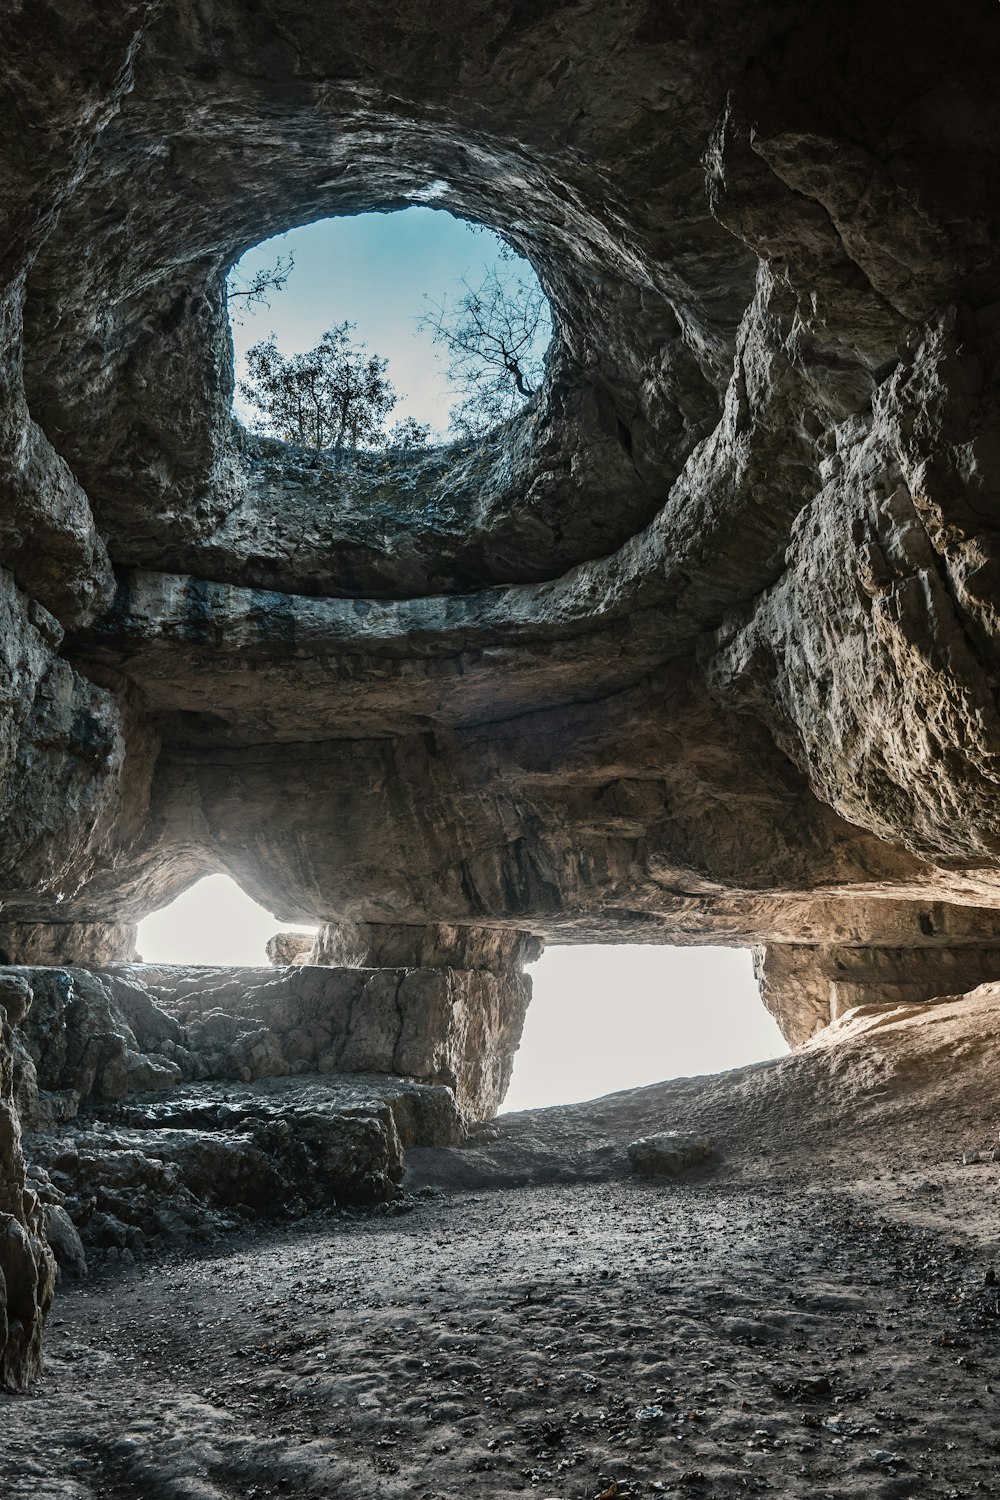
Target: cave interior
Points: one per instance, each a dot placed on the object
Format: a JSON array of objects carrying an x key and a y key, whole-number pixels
[{"x": 701, "y": 648}]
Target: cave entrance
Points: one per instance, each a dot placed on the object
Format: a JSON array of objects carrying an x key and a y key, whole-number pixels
[
  {"x": 399, "y": 279},
  {"x": 606, "y": 1017},
  {"x": 213, "y": 922},
  {"x": 603, "y": 1017}
]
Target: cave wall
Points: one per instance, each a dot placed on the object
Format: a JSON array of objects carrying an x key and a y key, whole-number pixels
[
  {"x": 775, "y": 324},
  {"x": 703, "y": 646},
  {"x": 91, "y": 1038},
  {"x": 807, "y": 986},
  {"x": 27, "y": 1267}
]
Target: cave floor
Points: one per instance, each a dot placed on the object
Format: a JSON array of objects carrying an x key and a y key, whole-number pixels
[
  {"x": 618, "y": 1338},
  {"x": 817, "y": 1316}
]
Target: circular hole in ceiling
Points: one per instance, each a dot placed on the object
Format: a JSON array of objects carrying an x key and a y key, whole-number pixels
[{"x": 455, "y": 321}]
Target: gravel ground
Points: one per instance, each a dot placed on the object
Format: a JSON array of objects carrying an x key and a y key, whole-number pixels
[
  {"x": 818, "y": 1317},
  {"x": 586, "y": 1340}
]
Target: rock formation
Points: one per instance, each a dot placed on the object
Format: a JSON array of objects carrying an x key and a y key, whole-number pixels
[
  {"x": 27, "y": 1268},
  {"x": 158, "y": 1103},
  {"x": 703, "y": 647}
]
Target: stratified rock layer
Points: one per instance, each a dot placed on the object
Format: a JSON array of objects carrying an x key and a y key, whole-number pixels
[
  {"x": 163, "y": 1105},
  {"x": 805, "y": 988},
  {"x": 94, "y": 1038},
  {"x": 714, "y": 619},
  {"x": 156, "y": 1174}
]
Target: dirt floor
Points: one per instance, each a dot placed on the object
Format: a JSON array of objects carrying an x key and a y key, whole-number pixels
[{"x": 816, "y": 1317}]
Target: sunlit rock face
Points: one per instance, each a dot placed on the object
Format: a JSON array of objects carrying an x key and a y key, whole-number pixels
[
  {"x": 704, "y": 645},
  {"x": 226, "y": 1095}
]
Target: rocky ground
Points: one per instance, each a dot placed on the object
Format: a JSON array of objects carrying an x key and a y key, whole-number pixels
[{"x": 818, "y": 1316}]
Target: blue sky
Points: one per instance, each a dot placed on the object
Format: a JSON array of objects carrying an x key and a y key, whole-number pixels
[{"x": 373, "y": 270}]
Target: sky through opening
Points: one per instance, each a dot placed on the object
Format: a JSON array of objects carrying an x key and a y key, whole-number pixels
[
  {"x": 602, "y": 1017},
  {"x": 372, "y": 270}
]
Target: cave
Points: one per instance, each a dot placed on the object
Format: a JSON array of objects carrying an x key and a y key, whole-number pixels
[{"x": 699, "y": 648}]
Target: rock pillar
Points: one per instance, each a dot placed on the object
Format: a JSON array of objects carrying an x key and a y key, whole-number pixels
[{"x": 471, "y": 978}]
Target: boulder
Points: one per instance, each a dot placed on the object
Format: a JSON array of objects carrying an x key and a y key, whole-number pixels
[{"x": 669, "y": 1153}]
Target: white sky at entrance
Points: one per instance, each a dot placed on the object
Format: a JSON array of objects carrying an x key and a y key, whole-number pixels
[
  {"x": 617, "y": 1016},
  {"x": 212, "y": 922},
  {"x": 602, "y": 1018}
]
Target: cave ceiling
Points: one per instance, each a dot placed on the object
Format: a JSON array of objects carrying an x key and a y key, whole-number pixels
[{"x": 709, "y": 630}]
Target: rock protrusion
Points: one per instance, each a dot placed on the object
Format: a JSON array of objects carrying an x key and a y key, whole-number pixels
[
  {"x": 806, "y": 986},
  {"x": 669, "y": 1153},
  {"x": 162, "y": 1173},
  {"x": 27, "y": 1267},
  {"x": 93, "y": 1039},
  {"x": 80, "y": 944}
]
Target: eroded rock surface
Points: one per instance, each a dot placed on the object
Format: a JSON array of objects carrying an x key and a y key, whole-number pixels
[
  {"x": 166, "y": 1105},
  {"x": 704, "y": 645},
  {"x": 27, "y": 1268},
  {"x": 95, "y": 1038},
  {"x": 805, "y": 988},
  {"x": 713, "y": 621},
  {"x": 157, "y": 1174}
]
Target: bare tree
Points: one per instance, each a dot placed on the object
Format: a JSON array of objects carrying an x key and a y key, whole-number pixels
[
  {"x": 495, "y": 335},
  {"x": 254, "y": 291},
  {"x": 336, "y": 396}
]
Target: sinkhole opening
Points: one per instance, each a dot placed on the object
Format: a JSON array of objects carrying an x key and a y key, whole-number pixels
[{"x": 385, "y": 332}]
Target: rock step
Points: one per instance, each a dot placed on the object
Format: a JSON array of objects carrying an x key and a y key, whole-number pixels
[{"x": 159, "y": 1173}]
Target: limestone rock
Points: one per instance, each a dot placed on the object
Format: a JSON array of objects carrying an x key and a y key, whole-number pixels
[
  {"x": 208, "y": 1158},
  {"x": 64, "y": 742},
  {"x": 668, "y": 1153},
  {"x": 807, "y": 987},
  {"x": 27, "y": 1267},
  {"x": 93, "y": 1038},
  {"x": 16, "y": 996},
  {"x": 64, "y": 1240},
  {"x": 289, "y": 948},
  {"x": 383, "y": 945},
  {"x": 81, "y": 944},
  {"x": 711, "y": 622},
  {"x": 704, "y": 644},
  {"x": 457, "y": 1027}
]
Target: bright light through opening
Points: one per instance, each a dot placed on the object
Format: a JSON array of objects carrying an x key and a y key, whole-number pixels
[
  {"x": 212, "y": 922},
  {"x": 602, "y": 1018}
]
